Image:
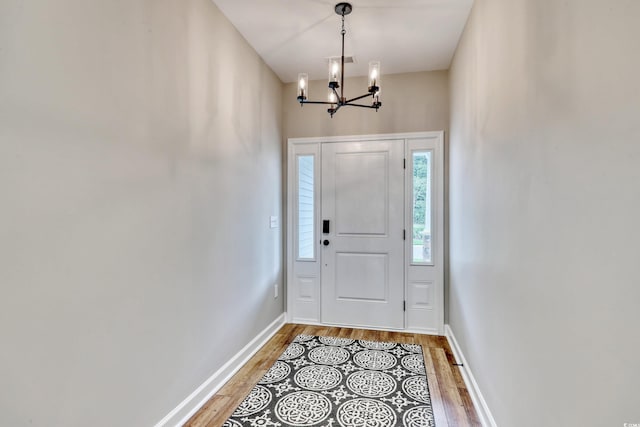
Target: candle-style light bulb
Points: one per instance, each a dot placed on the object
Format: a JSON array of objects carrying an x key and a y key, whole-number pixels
[
  {"x": 334, "y": 72},
  {"x": 374, "y": 76},
  {"x": 303, "y": 85},
  {"x": 332, "y": 97}
]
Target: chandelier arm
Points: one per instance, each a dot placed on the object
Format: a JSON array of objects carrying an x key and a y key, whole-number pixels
[
  {"x": 362, "y": 106},
  {"x": 316, "y": 102},
  {"x": 358, "y": 97}
]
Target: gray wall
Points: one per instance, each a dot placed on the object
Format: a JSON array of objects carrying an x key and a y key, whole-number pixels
[
  {"x": 545, "y": 202},
  {"x": 140, "y": 160}
]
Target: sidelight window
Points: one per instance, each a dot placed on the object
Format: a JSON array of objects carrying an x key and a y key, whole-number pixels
[
  {"x": 306, "y": 207},
  {"x": 421, "y": 207}
]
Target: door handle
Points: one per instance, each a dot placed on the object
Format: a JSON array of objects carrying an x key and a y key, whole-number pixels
[{"x": 325, "y": 242}]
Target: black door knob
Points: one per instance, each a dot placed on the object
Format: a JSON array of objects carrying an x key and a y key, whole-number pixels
[{"x": 325, "y": 242}]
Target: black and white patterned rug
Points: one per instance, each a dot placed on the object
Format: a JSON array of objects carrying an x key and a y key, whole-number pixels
[{"x": 340, "y": 382}]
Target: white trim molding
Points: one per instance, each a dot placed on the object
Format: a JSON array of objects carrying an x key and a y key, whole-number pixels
[
  {"x": 189, "y": 406},
  {"x": 480, "y": 404},
  {"x": 423, "y": 285}
]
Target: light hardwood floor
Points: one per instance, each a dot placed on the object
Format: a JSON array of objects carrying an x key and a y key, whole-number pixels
[{"x": 449, "y": 396}]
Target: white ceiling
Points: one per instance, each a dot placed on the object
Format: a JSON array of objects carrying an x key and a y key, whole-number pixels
[{"x": 295, "y": 36}]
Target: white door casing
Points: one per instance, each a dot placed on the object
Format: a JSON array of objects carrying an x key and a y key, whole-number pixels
[
  {"x": 362, "y": 262},
  {"x": 354, "y": 259}
]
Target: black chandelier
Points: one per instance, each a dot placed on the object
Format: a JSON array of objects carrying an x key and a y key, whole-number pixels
[{"x": 336, "y": 73}]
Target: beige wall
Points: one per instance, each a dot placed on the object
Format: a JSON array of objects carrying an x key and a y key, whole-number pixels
[
  {"x": 411, "y": 102},
  {"x": 545, "y": 202},
  {"x": 140, "y": 160}
]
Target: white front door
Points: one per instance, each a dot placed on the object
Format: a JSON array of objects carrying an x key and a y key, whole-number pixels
[{"x": 361, "y": 245}]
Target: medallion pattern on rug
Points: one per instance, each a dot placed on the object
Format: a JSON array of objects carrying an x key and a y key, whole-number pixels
[{"x": 340, "y": 382}]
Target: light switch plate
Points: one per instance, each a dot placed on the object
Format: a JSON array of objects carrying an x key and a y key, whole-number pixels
[{"x": 273, "y": 221}]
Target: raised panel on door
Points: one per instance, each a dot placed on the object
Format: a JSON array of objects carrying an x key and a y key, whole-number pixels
[
  {"x": 361, "y": 181},
  {"x": 362, "y": 277}
]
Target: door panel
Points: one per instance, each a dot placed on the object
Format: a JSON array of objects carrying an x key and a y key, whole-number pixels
[
  {"x": 362, "y": 277},
  {"x": 362, "y": 181},
  {"x": 362, "y": 265}
]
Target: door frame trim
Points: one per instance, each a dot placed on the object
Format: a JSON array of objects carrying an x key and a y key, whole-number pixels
[{"x": 290, "y": 183}]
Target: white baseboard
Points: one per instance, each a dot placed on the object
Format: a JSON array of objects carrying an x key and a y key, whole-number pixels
[
  {"x": 185, "y": 410},
  {"x": 474, "y": 391}
]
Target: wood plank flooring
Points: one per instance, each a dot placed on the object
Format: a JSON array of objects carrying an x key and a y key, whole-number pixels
[{"x": 450, "y": 399}]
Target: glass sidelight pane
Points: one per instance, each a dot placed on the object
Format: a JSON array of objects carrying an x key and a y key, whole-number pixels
[
  {"x": 306, "y": 207},
  {"x": 421, "y": 186}
]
